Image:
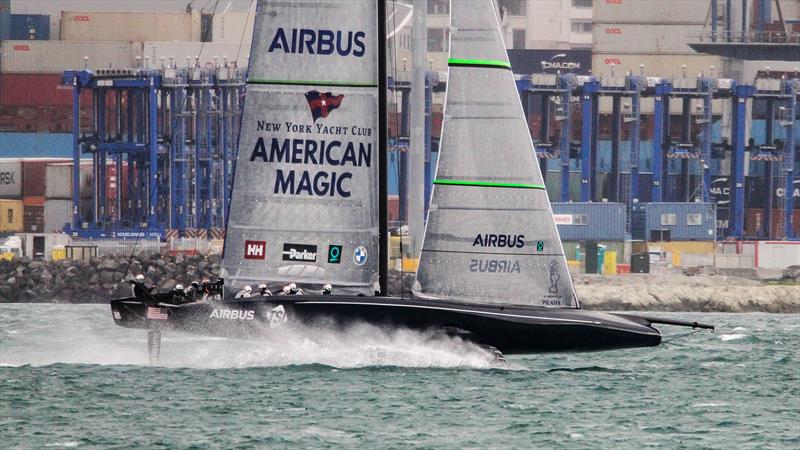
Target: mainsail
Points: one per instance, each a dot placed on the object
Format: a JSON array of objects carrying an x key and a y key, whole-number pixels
[
  {"x": 490, "y": 237},
  {"x": 304, "y": 204}
]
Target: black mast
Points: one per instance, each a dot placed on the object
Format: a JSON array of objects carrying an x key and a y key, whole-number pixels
[{"x": 383, "y": 212}]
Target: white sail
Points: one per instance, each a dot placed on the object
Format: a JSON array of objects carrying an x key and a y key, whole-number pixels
[
  {"x": 490, "y": 236},
  {"x": 304, "y": 204}
]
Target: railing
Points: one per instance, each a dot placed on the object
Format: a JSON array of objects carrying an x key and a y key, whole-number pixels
[
  {"x": 749, "y": 37},
  {"x": 124, "y": 247}
]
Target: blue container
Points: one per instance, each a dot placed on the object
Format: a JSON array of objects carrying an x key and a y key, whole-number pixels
[
  {"x": 30, "y": 27},
  {"x": 681, "y": 221},
  {"x": 5, "y": 19},
  {"x": 590, "y": 221}
]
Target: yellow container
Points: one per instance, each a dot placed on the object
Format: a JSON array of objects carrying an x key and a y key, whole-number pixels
[
  {"x": 610, "y": 263},
  {"x": 59, "y": 253},
  {"x": 693, "y": 247},
  {"x": 10, "y": 216}
]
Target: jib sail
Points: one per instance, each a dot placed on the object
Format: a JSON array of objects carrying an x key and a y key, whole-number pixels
[
  {"x": 304, "y": 204},
  {"x": 490, "y": 235}
]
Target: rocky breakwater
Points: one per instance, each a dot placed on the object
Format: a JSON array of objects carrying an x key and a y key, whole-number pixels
[
  {"x": 679, "y": 292},
  {"x": 97, "y": 280}
]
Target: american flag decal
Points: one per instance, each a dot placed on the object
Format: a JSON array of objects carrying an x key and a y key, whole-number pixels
[{"x": 156, "y": 313}]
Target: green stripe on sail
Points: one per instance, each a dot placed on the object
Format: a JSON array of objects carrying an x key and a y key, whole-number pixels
[
  {"x": 489, "y": 184},
  {"x": 314, "y": 83},
  {"x": 478, "y": 62}
]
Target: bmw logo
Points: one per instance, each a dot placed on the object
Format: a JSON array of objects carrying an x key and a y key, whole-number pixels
[{"x": 360, "y": 256}]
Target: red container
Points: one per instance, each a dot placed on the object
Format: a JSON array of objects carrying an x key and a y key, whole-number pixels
[
  {"x": 33, "y": 219},
  {"x": 37, "y": 89}
]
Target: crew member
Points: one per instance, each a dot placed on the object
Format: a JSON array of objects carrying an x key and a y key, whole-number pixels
[
  {"x": 138, "y": 287},
  {"x": 287, "y": 290},
  {"x": 178, "y": 294},
  {"x": 327, "y": 289},
  {"x": 295, "y": 290},
  {"x": 244, "y": 293},
  {"x": 191, "y": 291},
  {"x": 262, "y": 289}
]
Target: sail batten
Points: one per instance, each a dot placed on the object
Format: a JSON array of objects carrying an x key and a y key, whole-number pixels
[
  {"x": 490, "y": 235},
  {"x": 304, "y": 204}
]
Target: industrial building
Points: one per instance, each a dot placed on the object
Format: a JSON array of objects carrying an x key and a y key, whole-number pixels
[{"x": 133, "y": 114}]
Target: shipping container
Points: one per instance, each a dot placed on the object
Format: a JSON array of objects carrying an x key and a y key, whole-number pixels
[
  {"x": 590, "y": 221},
  {"x": 664, "y": 66},
  {"x": 233, "y": 27},
  {"x": 33, "y": 221},
  {"x": 205, "y": 51},
  {"x": 56, "y": 214},
  {"x": 650, "y": 11},
  {"x": 615, "y": 37},
  {"x": 680, "y": 221},
  {"x": 130, "y": 26},
  {"x": 755, "y": 219},
  {"x": 37, "y": 145},
  {"x": 5, "y": 19},
  {"x": 11, "y": 216},
  {"x": 38, "y": 89},
  {"x": 58, "y": 56},
  {"x": 58, "y": 181},
  {"x": 10, "y": 178},
  {"x": 33, "y": 176},
  {"x": 30, "y": 27}
]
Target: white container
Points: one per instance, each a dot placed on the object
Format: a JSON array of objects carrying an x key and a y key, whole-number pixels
[
  {"x": 58, "y": 181},
  {"x": 57, "y": 212},
  {"x": 655, "y": 65},
  {"x": 58, "y": 56},
  {"x": 130, "y": 26},
  {"x": 650, "y": 11},
  {"x": 233, "y": 27},
  {"x": 205, "y": 50},
  {"x": 643, "y": 38},
  {"x": 10, "y": 178}
]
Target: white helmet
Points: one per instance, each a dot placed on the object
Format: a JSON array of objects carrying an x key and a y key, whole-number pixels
[
  {"x": 248, "y": 289},
  {"x": 179, "y": 286},
  {"x": 287, "y": 289},
  {"x": 262, "y": 286},
  {"x": 292, "y": 286},
  {"x": 327, "y": 288},
  {"x": 140, "y": 277}
]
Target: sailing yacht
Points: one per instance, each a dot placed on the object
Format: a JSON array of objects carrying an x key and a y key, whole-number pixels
[{"x": 308, "y": 204}]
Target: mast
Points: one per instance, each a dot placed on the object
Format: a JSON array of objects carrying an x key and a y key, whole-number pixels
[
  {"x": 383, "y": 212},
  {"x": 415, "y": 174}
]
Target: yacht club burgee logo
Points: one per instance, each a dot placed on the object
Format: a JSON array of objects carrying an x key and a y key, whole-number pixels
[{"x": 321, "y": 104}]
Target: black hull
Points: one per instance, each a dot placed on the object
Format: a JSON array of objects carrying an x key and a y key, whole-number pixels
[{"x": 511, "y": 329}]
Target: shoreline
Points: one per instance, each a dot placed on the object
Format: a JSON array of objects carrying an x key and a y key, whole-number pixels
[{"x": 101, "y": 279}]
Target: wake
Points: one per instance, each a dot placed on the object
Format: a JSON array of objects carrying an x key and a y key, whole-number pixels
[{"x": 85, "y": 334}]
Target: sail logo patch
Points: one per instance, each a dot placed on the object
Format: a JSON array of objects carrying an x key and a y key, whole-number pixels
[
  {"x": 318, "y": 42},
  {"x": 493, "y": 266},
  {"x": 232, "y": 314},
  {"x": 499, "y": 240},
  {"x": 299, "y": 252},
  {"x": 255, "y": 249},
  {"x": 360, "y": 255},
  {"x": 555, "y": 277},
  {"x": 276, "y": 316},
  {"x": 334, "y": 254},
  {"x": 322, "y": 103}
]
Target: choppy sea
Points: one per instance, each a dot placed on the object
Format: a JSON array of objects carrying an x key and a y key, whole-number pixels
[{"x": 70, "y": 378}]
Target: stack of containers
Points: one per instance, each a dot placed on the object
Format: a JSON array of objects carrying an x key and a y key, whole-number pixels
[
  {"x": 58, "y": 196},
  {"x": 655, "y": 33},
  {"x": 11, "y": 209},
  {"x": 33, "y": 190}
]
